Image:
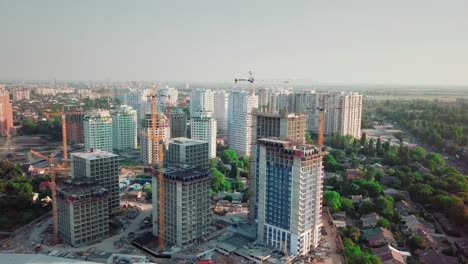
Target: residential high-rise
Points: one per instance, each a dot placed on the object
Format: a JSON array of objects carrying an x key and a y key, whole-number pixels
[
  {"x": 221, "y": 111},
  {"x": 82, "y": 212},
  {"x": 166, "y": 96},
  {"x": 75, "y": 127},
  {"x": 342, "y": 109},
  {"x": 281, "y": 125},
  {"x": 138, "y": 100},
  {"x": 163, "y": 130},
  {"x": 201, "y": 100},
  {"x": 103, "y": 168},
  {"x": 240, "y": 108},
  {"x": 186, "y": 151},
  {"x": 178, "y": 122},
  {"x": 6, "y": 114},
  {"x": 97, "y": 131},
  {"x": 204, "y": 128},
  {"x": 290, "y": 186},
  {"x": 20, "y": 94},
  {"x": 186, "y": 204},
  {"x": 124, "y": 128}
]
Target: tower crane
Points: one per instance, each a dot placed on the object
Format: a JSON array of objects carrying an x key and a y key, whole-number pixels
[
  {"x": 54, "y": 168},
  {"x": 63, "y": 115},
  {"x": 157, "y": 142},
  {"x": 8, "y": 143},
  {"x": 285, "y": 252},
  {"x": 321, "y": 109},
  {"x": 250, "y": 80}
]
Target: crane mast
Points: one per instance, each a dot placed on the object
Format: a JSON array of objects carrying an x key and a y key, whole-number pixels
[{"x": 157, "y": 143}]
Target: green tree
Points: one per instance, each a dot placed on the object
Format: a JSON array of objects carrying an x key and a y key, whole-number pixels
[
  {"x": 384, "y": 206},
  {"x": 332, "y": 200},
  {"x": 346, "y": 204},
  {"x": 417, "y": 242},
  {"x": 237, "y": 186},
  {"x": 418, "y": 154},
  {"x": 228, "y": 156},
  {"x": 383, "y": 222},
  {"x": 363, "y": 139},
  {"x": 234, "y": 170},
  {"x": 228, "y": 198},
  {"x": 366, "y": 208}
]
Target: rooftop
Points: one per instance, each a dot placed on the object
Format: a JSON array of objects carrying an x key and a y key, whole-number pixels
[
  {"x": 80, "y": 186},
  {"x": 185, "y": 174},
  {"x": 186, "y": 141},
  {"x": 37, "y": 259},
  {"x": 94, "y": 154}
]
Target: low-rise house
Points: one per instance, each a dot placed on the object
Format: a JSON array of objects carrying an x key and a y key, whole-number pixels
[
  {"x": 377, "y": 237},
  {"x": 391, "y": 255},
  {"x": 352, "y": 174},
  {"x": 27, "y": 168},
  {"x": 405, "y": 208},
  {"x": 421, "y": 168},
  {"x": 370, "y": 220},
  {"x": 341, "y": 216},
  {"x": 433, "y": 256},
  {"x": 413, "y": 224},
  {"x": 356, "y": 198},
  {"x": 389, "y": 180},
  {"x": 462, "y": 247},
  {"x": 390, "y": 192}
]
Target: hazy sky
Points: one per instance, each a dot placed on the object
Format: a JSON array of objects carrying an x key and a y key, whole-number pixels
[{"x": 369, "y": 41}]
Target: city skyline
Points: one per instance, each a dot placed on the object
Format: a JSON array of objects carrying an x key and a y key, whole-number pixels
[{"x": 415, "y": 43}]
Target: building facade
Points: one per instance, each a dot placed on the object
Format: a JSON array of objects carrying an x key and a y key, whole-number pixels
[
  {"x": 240, "y": 108},
  {"x": 75, "y": 127},
  {"x": 97, "y": 131},
  {"x": 290, "y": 191},
  {"x": 204, "y": 128},
  {"x": 162, "y": 130},
  {"x": 20, "y": 94},
  {"x": 124, "y": 128},
  {"x": 282, "y": 125},
  {"x": 186, "y": 151},
  {"x": 166, "y": 96},
  {"x": 201, "y": 100},
  {"x": 178, "y": 122},
  {"x": 6, "y": 114},
  {"x": 82, "y": 212},
  {"x": 103, "y": 168},
  {"x": 221, "y": 111},
  {"x": 187, "y": 205}
]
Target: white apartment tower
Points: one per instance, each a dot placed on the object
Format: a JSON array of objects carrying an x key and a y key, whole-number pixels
[
  {"x": 204, "y": 128},
  {"x": 97, "y": 131},
  {"x": 138, "y": 100},
  {"x": 221, "y": 110},
  {"x": 162, "y": 129},
  {"x": 290, "y": 177},
  {"x": 166, "y": 96},
  {"x": 201, "y": 100},
  {"x": 240, "y": 108},
  {"x": 124, "y": 127}
]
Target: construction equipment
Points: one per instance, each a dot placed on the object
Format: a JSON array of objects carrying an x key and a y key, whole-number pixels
[
  {"x": 8, "y": 151},
  {"x": 285, "y": 252},
  {"x": 250, "y": 80},
  {"x": 157, "y": 142},
  {"x": 321, "y": 109},
  {"x": 63, "y": 115},
  {"x": 54, "y": 168}
]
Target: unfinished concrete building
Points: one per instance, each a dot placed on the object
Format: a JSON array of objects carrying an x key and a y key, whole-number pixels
[
  {"x": 186, "y": 151},
  {"x": 186, "y": 204},
  {"x": 283, "y": 125},
  {"x": 103, "y": 168},
  {"x": 82, "y": 212},
  {"x": 178, "y": 122}
]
